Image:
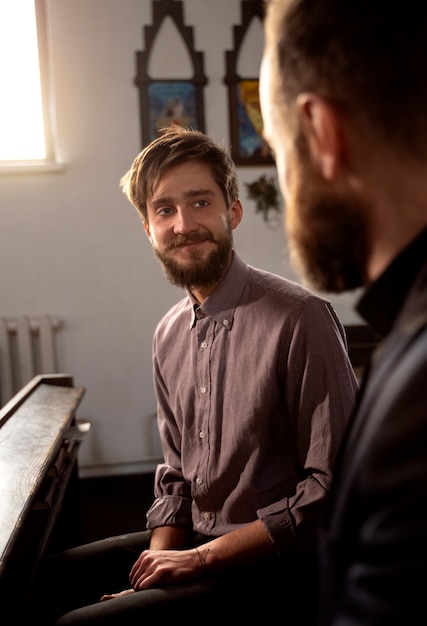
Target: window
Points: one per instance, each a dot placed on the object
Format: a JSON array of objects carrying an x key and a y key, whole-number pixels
[{"x": 25, "y": 122}]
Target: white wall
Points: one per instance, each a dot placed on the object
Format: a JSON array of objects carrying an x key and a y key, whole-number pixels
[{"x": 71, "y": 244}]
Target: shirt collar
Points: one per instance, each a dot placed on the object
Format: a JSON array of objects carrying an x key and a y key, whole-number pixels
[
  {"x": 221, "y": 304},
  {"x": 383, "y": 300}
]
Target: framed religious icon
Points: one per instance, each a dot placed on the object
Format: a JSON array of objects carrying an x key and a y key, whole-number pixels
[
  {"x": 248, "y": 146},
  {"x": 175, "y": 100},
  {"x": 248, "y": 143},
  {"x": 171, "y": 102}
]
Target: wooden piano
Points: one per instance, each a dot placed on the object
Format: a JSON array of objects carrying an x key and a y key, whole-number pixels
[{"x": 39, "y": 505}]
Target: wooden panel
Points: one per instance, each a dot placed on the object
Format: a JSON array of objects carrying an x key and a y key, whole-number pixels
[{"x": 39, "y": 440}]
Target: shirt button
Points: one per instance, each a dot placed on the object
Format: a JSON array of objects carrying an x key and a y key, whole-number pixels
[
  {"x": 225, "y": 322},
  {"x": 201, "y": 434},
  {"x": 202, "y": 389},
  {"x": 205, "y": 515},
  {"x": 198, "y": 480},
  {"x": 204, "y": 345}
]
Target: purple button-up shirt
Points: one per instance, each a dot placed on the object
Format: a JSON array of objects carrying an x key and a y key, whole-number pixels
[{"x": 254, "y": 391}]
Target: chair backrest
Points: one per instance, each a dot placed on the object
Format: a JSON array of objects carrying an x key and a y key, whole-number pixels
[{"x": 361, "y": 340}]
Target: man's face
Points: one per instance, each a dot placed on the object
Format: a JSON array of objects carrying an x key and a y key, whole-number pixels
[
  {"x": 190, "y": 226},
  {"x": 325, "y": 222}
]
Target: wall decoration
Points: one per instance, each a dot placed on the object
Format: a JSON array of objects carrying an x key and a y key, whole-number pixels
[
  {"x": 264, "y": 191},
  {"x": 248, "y": 147},
  {"x": 169, "y": 101}
]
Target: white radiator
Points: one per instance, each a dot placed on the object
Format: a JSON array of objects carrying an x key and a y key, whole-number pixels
[{"x": 27, "y": 348}]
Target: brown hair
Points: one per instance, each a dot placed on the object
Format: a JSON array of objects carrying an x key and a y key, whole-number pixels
[
  {"x": 367, "y": 56},
  {"x": 174, "y": 146}
]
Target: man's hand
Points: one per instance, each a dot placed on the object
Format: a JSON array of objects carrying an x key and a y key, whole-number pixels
[
  {"x": 157, "y": 568},
  {"x": 111, "y": 596}
]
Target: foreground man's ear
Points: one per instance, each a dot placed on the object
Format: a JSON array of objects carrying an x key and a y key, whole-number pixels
[{"x": 322, "y": 129}]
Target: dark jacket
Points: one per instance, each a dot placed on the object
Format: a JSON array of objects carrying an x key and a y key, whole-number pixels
[{"x": 373, "y": 545}]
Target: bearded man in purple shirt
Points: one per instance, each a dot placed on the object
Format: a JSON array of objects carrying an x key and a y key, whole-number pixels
[{"x": 254, "y": 389}]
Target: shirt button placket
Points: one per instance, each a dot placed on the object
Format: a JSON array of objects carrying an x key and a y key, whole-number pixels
[{"x": 203, "y": 411}]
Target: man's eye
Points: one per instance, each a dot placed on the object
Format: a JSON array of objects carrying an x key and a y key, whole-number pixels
[
  {"x": 201, "y": 203},
  {"x": 164, "y": 211}
]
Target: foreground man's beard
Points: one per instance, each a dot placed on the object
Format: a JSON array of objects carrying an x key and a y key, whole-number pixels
[
  {"x": 200, "y": 273},
  {"x": 327, "y": 234}
]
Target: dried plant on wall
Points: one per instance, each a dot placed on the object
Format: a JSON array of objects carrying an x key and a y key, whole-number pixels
[{"x": 264, "y": 191}]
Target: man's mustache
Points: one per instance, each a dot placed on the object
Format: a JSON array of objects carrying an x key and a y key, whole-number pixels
[{"x": 181, "y": 240}]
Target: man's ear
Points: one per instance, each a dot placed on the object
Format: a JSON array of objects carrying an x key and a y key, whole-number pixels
[
  {"x": 236, "y": 214},
  {"x": 322, "y": 128},
  {"x": 147, "y": 229}
]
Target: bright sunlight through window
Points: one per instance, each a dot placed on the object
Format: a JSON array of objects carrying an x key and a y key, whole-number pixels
[{"x": 21, "y": 113}]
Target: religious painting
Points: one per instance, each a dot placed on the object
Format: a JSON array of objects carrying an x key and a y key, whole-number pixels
[
  {"x": 249, "y": 144},
  {"x": 246, "y": 140},
  {"x": 171, "y": 102}
]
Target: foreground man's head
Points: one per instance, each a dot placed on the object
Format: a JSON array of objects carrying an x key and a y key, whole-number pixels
[{"x": 343, "y": 89}]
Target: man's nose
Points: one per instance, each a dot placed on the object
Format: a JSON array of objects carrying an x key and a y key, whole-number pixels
[{"x": 184, "y": 221}]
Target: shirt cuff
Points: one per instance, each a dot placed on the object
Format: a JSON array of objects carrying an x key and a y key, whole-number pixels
[{"x": 169, "y": 511}]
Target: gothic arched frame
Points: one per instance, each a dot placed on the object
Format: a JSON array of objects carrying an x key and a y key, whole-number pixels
[
  {"x": 187, "y": 95},
  {"x": 242, "y": 131}
]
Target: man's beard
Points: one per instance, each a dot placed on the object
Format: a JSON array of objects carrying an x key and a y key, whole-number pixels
[
  {"x": 200, "y": 273},
  {"x": 327, "y": 234}
]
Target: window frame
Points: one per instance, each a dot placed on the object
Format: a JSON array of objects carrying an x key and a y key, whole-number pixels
[{"x": 51, "y": 161}]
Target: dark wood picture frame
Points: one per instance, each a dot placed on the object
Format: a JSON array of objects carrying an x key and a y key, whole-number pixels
[
  {"x": 169, "y": 101},
  {"x": 248, "y": 147}
]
